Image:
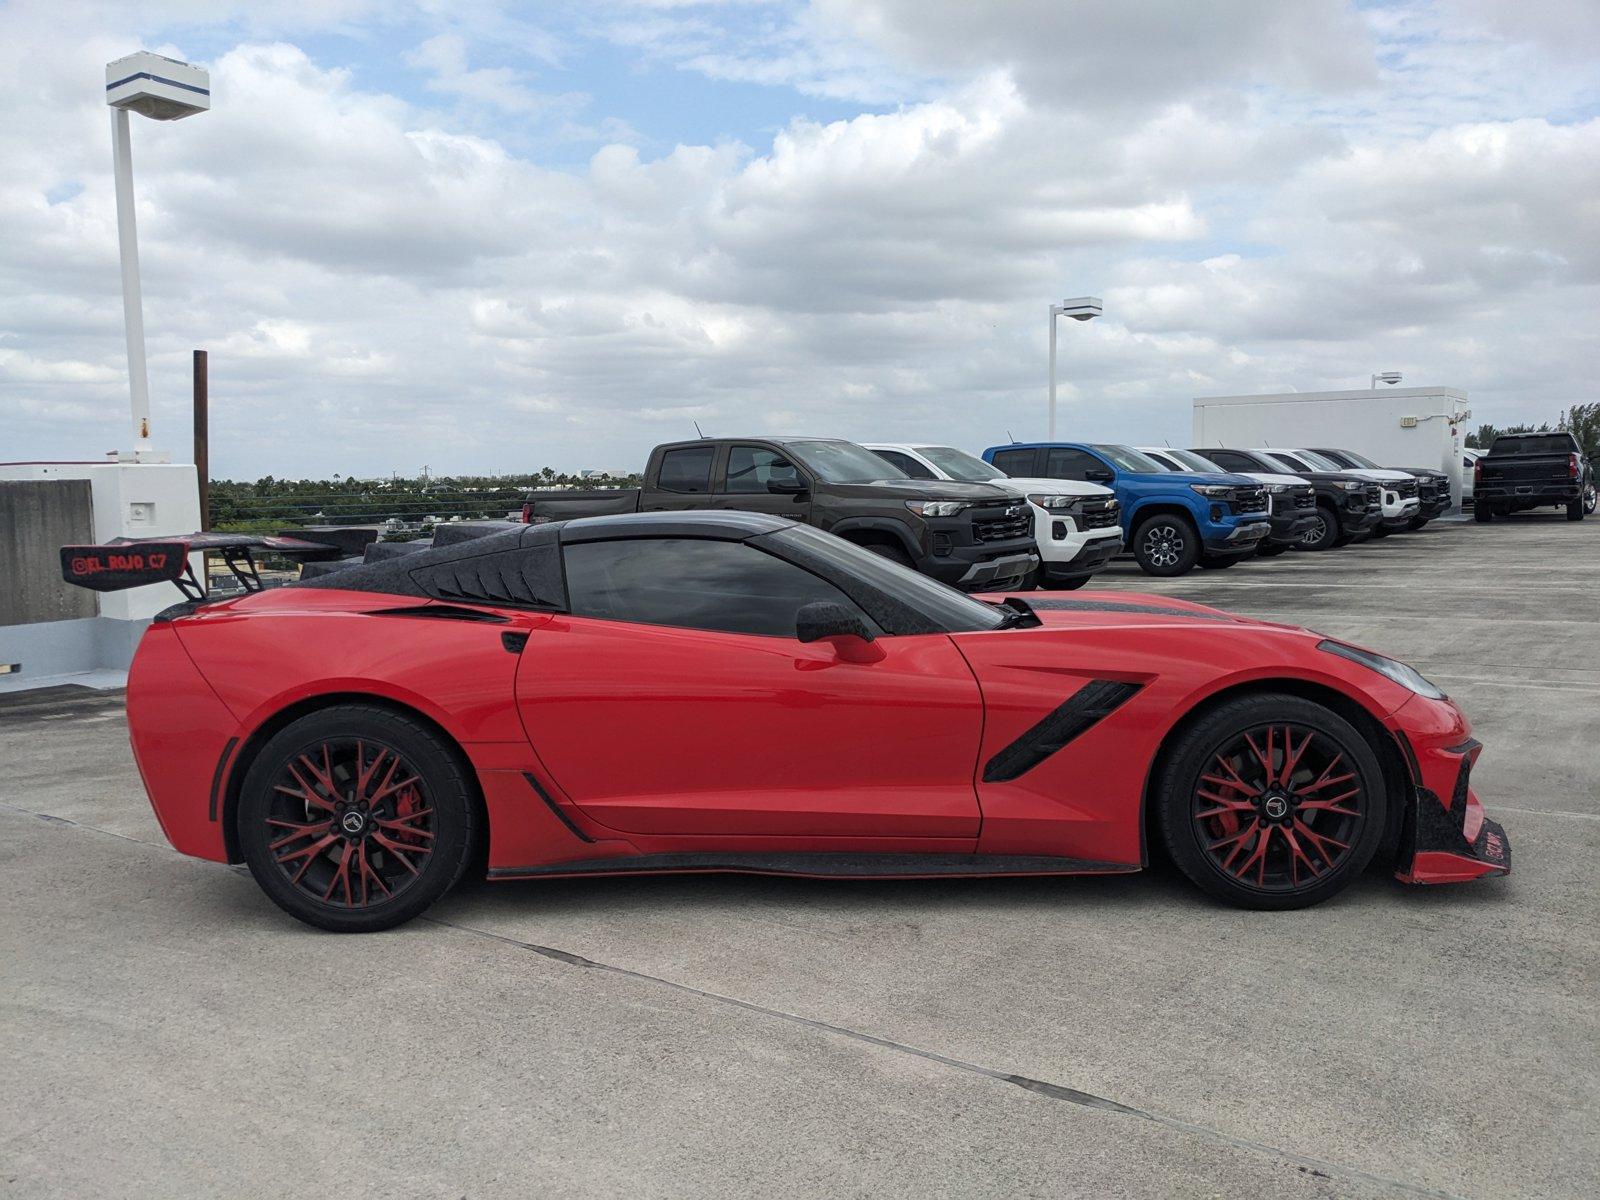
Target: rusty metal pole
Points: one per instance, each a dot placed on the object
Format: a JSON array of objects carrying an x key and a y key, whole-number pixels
[{"x": 202, "y": 435}]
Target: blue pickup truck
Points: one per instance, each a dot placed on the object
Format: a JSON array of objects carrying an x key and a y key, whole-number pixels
[{"x": 1170, "y": 521}]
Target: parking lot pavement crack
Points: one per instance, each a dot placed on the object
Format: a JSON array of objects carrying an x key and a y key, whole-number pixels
[{"x": 1054, "y": 1091}]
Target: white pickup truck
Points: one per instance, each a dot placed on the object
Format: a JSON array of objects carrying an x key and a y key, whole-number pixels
[{"x": 1077, "y": 525}]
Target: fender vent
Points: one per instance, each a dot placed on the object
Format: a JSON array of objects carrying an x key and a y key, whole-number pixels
[{"x": 1084, "y": 709}]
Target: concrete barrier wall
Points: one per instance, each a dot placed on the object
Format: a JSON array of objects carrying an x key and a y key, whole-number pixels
[{"x": 37, "y": 518}]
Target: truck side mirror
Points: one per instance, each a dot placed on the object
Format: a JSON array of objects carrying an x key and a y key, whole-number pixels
[{"x": 1098, "y": 475}]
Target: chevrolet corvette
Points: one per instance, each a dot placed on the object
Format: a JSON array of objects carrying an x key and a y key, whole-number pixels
[{"x": 728, "y": 691}]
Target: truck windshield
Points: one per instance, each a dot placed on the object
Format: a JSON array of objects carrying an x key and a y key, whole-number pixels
[
  {"x": 958, "y": 464},
  {"x": 843, "y": 462},
  {"x": 1192, "y": 461},
  {"x": 1126, "y": 458},
  {"x": 1321, "y": 462},
  {"x": 1355, "y": 460}
]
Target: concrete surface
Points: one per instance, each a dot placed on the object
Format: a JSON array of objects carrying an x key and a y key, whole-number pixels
[{"x": 167, "y": 1031}]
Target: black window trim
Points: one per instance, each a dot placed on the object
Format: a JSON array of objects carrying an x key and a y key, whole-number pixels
[
  {"x": 1034, "y": 464},
  {"x": 718, "y": 455}
]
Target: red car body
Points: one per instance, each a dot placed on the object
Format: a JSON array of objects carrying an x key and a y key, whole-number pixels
[{"x": 605, "y": 746}]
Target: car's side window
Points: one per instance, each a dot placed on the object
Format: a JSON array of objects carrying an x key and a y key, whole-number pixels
[
  {"x": 1230, "y": 461},
  {"x": 1071, "y": 464},
  {"x": 906, "y": 463},
  {"x": 686, "y": 470},
  {"x": 755, "y": 469},
  {"x": 725, "y": 586},
  {"x": 1014, "y": 462}
]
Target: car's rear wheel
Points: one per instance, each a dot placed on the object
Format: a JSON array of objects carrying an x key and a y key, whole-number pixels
[
  {"x": 1166, "y": 545},
  {"x": 356, "y": 818},
  {"x": 1582, "y": 506},
  {"x": 1271, "y": 801},
  {"x": 1482, "y": 512},
  {"x": 1324, "y": 533}
]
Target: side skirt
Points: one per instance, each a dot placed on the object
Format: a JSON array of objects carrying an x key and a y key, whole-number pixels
[{"x": 825, "y": 866}]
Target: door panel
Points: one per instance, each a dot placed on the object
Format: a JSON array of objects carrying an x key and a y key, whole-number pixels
[{"x": 648, "y": 729}]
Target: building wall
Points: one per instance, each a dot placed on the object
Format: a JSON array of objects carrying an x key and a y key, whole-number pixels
[
  {"x": 37, "y": 518},
  {"x": 1371, "y": 423}
]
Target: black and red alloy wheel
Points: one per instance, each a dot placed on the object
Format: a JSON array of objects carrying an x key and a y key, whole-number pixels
[
  {"x": 1278, "y": 807},
  {"x": 349, "y": 822}
]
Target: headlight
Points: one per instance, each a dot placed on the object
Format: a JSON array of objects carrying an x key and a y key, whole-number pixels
[
  {"x": 1278, "y": 489},
  {"x": 1350, "y": 485},
  {"x": 1053, "y": 503},
  {"x": 1213, "y": 491},
  {"x": 938, "y": 508},
  {"x": 1407, "y": 677}
]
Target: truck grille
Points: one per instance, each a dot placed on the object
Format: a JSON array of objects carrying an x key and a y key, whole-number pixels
[
  {"x": 1096, "y": 514},
  {"x": 1374, "y": 495},
  {"x": 1305, "y": 498},
  {"x": 1016, "y": 523},
  {"x": 1250, "y": 500},
  {"x": 1407, "y": 488}
]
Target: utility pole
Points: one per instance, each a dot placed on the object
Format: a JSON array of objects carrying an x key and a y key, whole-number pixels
[{"x": 202, "y": 434}]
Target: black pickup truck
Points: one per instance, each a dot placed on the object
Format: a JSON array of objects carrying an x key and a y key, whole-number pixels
[
  {"x": 1533, "y": 470},
  {"x": 974, "y": 536},
  {"x": 1433, "y": 487}
]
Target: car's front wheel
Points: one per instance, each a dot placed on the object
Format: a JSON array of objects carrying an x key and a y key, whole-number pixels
[
  {"x": 356, "y": 818},
  {"x": 1271, "y": 801},
  {"x": 1166, "y": 545}
]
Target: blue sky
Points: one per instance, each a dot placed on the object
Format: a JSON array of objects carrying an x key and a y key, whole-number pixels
[{"x": 491, "y": 236}]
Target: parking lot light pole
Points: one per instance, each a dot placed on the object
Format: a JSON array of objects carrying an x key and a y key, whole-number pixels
[
  {"x": 1083, "y": 308},
  {"x": 1389, "y": 377},
  {"x": 162, "y": 89}
]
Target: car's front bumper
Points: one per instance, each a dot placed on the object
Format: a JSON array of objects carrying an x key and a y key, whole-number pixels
[
  {"x": 1290, "y": 528},
  {"x": 1445, "y": 836},
  {"x": 1241, "y": 538},
  {"x": 1094, "y": 555},
  {"x": 1008, "y": 569}
]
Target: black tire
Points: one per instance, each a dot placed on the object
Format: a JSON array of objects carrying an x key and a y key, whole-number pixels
[
  {"x": 1381, "y": 531},
  {"x": 1273, "y": 550},
  {"x": 412, "y": 839},
  {"x": 1590, "y": 499},
  {"x": 1417, "y": 523},
  {"x": 1325, "y": 535},
  {"x": 1482, "y": 513},
  {"x": 1065, "y": 585},
  {"x": 1575, "y": 510},
  {"x": 1166, "y": 545},
  {"x": 1219, "y": 562},
  {"x": 892, "y": 552},
  {"x": 1193, "y": 824}
]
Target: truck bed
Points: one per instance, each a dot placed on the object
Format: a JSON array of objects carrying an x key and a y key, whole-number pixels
[{"x": 563, "y": 504}]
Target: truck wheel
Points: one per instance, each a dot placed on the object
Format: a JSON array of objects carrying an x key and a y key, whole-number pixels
[
  {"x": 1482, "y": 513},
  {"x": 1417, "y": 523},
  {"x": 1589, "y": 498},
  {"x": 1575, "y": 510},
  {"x": 1381, "y": 531},
  {"x": 1166, "y": 545},
  {"x": 1324, "y": 533},
  {"x": 891, "y": 552}
]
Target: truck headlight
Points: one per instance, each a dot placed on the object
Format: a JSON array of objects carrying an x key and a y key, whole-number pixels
[
  {"x": 1351, "y": 485},
  {"x": 1053, "y": 503},
  {"x": 1397, "y": 672},
  {"x": 1213, "y": 491},
  {"x": 938, "y": 508},
  {"x": 1278, "y": 489}
]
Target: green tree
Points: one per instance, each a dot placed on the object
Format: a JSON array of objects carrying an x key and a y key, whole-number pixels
[{"x": 1583, "y": 422}]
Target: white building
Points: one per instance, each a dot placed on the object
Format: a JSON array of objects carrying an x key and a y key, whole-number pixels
[{"x": 1397, "y": 427}]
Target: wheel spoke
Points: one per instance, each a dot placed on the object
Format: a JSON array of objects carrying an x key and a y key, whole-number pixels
[
  {"x": 1297, "y": 856},
  {"x": 399, "y": 851},
  {"x": 1320, "y": 842},
  {"x": 1292, "y": 760},
  {"x": 307, "y": 855}
]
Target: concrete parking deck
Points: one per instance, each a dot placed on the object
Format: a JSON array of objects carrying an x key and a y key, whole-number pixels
[{"x": 168, "y": 1032}]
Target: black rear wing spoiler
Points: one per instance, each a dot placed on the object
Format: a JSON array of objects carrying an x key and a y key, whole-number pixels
[{"x": 135, "y": 562}]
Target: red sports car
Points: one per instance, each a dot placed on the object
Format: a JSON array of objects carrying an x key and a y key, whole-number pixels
[{"x": 729, "y": 691}]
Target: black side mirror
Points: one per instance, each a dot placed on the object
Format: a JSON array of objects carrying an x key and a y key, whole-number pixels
[
  {"x": 1098, "y": 475},
  {"x": 823, "y": 619}
]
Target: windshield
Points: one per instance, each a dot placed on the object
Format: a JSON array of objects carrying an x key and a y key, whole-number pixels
[
  {"x": 1292, "y": 463},
  {"x": 1560, "y": 443},
  {"x": 1356, "y": 460},
  {"x": 1192, "y": 461},
  {"x": 1317, "y": 462},
  {"x": 958, "y": 464},
  {"x": 1126, "y": 458},
  {"x": 843, "y": 462},
  {"x": 950, "y": 610}
]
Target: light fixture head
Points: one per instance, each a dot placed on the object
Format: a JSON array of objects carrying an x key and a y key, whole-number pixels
[
  {"x": 1387, "y": 377},
  {"x": 1080, "y": 308},
  {"x": 163, "y": 89}
]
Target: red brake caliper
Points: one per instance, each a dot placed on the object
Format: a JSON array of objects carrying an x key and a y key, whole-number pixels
[{"x": 406, "y": 806}]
